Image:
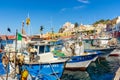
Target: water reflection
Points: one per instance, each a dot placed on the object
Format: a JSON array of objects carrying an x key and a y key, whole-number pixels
[{"x": 101, "y": 69}]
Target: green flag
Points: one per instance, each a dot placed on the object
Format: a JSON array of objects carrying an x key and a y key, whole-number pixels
[{"x": 19, "y": 36}]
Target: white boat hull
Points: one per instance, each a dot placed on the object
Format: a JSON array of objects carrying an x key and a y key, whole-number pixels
[{"x": 81, "y": 65}]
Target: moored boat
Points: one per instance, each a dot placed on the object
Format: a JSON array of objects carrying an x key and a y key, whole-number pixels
[
  {"x": 101, "y": 45},
  {"x": 78, "y": 58},
  {"x": 44, "y": 65}
]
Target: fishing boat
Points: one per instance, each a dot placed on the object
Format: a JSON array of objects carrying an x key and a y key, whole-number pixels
[
  {"x": 101, "y": 45},
  {"x": 44, "y": 65},
  {"x": 79, "y": 60}
]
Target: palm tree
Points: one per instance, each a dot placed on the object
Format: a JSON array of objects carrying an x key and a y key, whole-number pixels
[
  {"x": 61, "y": 30},
  {"x": 41, "y": 29},
  {"x": 76, "y": 25},
  {"x": 52, "y": 33}
]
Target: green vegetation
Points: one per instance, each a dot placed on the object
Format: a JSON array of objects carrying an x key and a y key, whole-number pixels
[
  {"x": 102, "y": 21},
  {"x": 61, "y": 30},
  {"x": 41, "y": 29},
  {"x": 76, "y": 25}
]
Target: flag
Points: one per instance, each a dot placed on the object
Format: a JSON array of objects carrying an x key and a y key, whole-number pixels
[
  {"x": 19, "y": 36},
  {"x": 28, "y": 21},
  {"x": 8, "y": 29}
]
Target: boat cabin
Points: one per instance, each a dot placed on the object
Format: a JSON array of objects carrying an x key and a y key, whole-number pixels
[{"x": 42, "y": 47}]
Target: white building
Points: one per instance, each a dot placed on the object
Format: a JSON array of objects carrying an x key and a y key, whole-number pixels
[
  {"x": 68, "y": 26},
  {"x": 117, "y": 26}
]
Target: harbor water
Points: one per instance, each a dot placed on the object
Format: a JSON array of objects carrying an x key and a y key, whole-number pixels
[{"x": 101, "y": 69}]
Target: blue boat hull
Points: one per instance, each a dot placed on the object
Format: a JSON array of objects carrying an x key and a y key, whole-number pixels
[
  {"x": 82, "y": 58},
  {"x": 101, "y": 52},
  {"x": 49, "y": 71}
]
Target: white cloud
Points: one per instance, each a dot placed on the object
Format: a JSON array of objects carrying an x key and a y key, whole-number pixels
[
  {"x": 63, "y": 9},
  {"x": 72, "y": 8},
  {"x": 78, "y": 7},
  {"x": 83, "y": 1}
]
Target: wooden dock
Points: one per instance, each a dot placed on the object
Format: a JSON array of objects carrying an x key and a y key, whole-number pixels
[{"x": 117, "y": 75}]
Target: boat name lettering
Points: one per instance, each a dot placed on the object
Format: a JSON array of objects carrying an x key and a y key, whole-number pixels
[{"x": 55, "y": 65}]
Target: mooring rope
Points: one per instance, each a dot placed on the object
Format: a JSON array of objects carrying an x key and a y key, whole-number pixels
[
  {"x": 54, "y": 72},
  {"x": 12, "y": 65}
]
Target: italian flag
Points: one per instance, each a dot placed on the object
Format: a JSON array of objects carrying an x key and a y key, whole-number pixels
[{"x": 20, "y": 36}]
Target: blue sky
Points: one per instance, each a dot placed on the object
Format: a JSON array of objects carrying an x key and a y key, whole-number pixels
[{"x": 54, "y": 13}]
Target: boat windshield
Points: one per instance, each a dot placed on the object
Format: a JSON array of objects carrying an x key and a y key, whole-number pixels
[{"x": 44, "y": 49}]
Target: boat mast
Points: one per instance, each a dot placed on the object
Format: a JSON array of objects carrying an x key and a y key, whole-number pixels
[
  {"x": 28, "y": 23},
  {"x": 15, "y": 49},
  {"x": 23, "y": 33}
]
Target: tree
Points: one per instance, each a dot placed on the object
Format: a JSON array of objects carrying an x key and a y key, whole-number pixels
[
  {"x": 102, "y": 21},
  {"x": 61, "y": 30},
  {"x": 76, "y": 25},
  {"x": 41, "y": 29}
]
